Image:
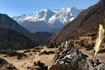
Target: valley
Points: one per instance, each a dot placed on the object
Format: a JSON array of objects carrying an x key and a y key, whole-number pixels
[
  {"x": 54, "y": 39},
  {"x": 46, "y": 54}
]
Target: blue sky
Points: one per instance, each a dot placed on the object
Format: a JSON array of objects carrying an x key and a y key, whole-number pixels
[{"x": 20, "y": 7}]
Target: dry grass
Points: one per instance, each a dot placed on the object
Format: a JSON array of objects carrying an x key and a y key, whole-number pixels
[{"x": 31, "y": 58}]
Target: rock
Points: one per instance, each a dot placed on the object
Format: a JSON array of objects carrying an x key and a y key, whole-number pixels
[
  {"x": 2, "y": 61},
  {"x": 11, "y": 67},
  {"x": 73, "y": 59},
  {"x": 41, "y": 65},
  {"x": 4, "y": 65}
]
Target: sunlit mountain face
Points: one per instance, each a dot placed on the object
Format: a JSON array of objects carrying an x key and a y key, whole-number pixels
[{"x": 46, "y": 19}]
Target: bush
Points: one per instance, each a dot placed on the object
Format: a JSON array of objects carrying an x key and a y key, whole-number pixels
[
  {"x": 35, "y": 50},
  {"x": 62, "y": 67},
  {"x": 13, "y": 54},
  {"x": 90, "y": 46},
  {"x": 47, "y": 53},
  {"x": 27, "y": 51},
  {"x": 11, "y": 67},
  {"x": 41, "y": 65}
]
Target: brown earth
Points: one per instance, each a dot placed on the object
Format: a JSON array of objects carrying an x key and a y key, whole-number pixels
[{"x": 33, "y": 55}]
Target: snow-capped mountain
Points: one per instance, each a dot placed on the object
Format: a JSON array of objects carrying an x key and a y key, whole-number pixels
[{"x": 55, "y": 19}]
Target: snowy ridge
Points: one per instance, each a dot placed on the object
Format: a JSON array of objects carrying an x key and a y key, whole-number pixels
[{"x": 54, "y": 18}]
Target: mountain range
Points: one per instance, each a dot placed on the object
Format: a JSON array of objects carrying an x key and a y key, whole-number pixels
[
  {"x": 46, "y": 19},
  {"x": 86, "y": 23}
]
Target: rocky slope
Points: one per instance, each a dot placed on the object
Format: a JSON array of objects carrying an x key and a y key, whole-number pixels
[
  {"x": 85, "y": 23},
  {"x": 55, "y": 19}
]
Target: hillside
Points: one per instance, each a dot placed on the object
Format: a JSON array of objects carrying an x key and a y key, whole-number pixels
[
  {"x": 41, "y": 37},
  {"x": 6, "y": 21},
  {"x": 14, "y": 40},
  {"x": 85, "y": 23}
]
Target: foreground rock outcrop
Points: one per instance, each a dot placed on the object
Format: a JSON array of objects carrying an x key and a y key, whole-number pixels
[{"x": 69, "y": 58}]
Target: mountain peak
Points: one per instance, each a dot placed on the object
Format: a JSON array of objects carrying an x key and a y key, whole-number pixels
[{"x": 53, "y": 18}]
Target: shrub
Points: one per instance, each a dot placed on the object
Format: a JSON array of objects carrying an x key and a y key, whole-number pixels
[
  {"x": 26, "y": 51},
  {"x": 41, "y": 65},
  {"x": 62, "y": 67},
  {"x": 47, "y": 53}
]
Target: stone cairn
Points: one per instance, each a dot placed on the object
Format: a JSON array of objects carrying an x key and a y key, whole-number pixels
[{"x": 74, "y": 59}]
